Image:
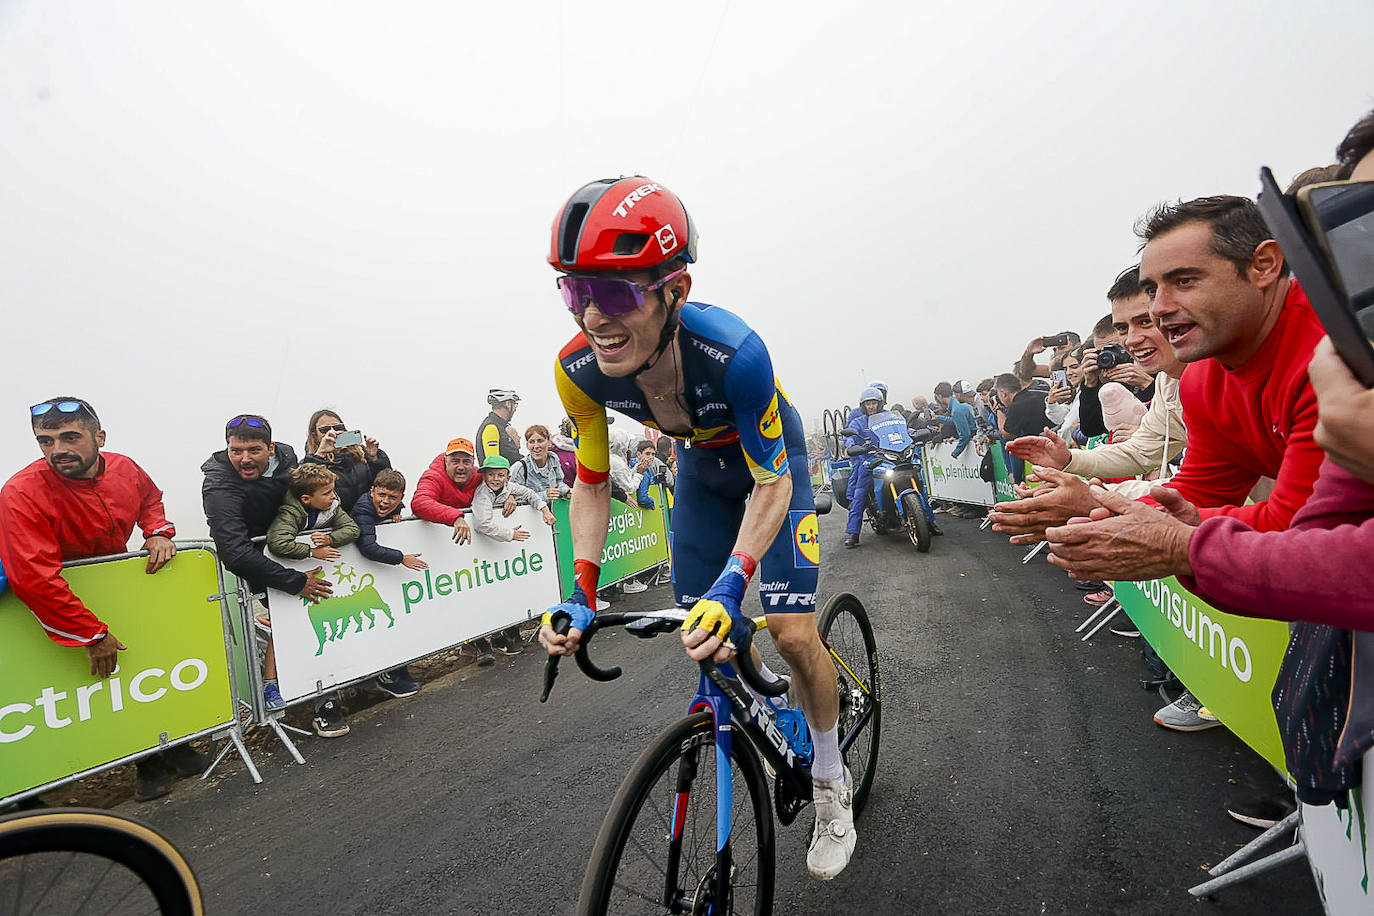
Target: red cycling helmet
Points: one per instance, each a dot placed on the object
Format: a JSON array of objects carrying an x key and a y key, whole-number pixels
[{"x": 621, "y": 224}]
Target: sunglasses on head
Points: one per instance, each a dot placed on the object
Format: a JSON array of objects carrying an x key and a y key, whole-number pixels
[
  {"x": 61, "y": 405},
  {"x": 247, "y": 420},
  {"x": 613, "y": 296}
]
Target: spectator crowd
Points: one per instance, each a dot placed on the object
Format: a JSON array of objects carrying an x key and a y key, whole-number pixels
[{"x": 80, "y": 501}]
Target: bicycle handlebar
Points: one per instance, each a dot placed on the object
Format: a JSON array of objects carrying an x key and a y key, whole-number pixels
[{"x": 647, "y": 624}]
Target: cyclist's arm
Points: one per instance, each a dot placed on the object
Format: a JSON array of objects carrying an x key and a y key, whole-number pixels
[
  {"x": 589, "y": 513},
  {"x": 763, "y": 516}
]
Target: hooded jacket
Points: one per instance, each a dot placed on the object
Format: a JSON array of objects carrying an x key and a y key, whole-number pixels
[
  {"x": 239, "y": 510},
  {"x": 438, "y": 499},
  {"x": 46, "y": 519}
]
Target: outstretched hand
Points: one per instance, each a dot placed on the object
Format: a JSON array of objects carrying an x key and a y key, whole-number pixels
[
  {"x": 1122, "y": 539},
  {"x": 1026, "y": 519},
  {"x": 1047, "y": 449}
]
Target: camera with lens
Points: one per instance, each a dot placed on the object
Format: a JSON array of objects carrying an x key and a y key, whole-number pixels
[{"x": 1111, "y": 356}]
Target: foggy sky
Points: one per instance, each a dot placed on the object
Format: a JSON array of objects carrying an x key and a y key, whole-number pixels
[{"x": 214, "y": 209}]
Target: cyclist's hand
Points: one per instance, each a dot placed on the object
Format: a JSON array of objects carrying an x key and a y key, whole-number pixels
[
  {"x": 565, "y": 644},
  {"x": 714, "y": 628},
  {"x": 580, "y": 606}
]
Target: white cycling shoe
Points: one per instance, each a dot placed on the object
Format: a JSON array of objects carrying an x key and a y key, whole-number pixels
[{"x": 833, "y": 837}]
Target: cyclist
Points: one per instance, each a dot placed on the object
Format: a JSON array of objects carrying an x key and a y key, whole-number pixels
[{"x": 743, "y": 498}]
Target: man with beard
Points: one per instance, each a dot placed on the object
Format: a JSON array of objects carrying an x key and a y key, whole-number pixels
[{"x": 74, "y": 503}]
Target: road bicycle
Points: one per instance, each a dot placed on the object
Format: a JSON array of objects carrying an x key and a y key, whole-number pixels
[
  {"x": 691, "y": 827},
  {"x": 77, "y": 860}
]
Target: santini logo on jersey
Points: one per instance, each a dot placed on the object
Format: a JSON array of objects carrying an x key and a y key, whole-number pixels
[
  {"x": 624, "y": 405},
  {"x": 635, "y": 197}
]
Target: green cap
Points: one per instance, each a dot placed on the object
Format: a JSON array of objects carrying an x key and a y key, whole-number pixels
[{"x": 493, "y": 462}]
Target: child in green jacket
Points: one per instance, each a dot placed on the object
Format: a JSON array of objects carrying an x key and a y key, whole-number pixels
[{"x": 311, "y": 503}]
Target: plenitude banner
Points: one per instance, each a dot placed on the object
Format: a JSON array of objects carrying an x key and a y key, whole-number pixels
[
  {"x": 957, "y": 480},
  {"x": 57, "y": 719},
  {"x": 382, "y": 616},
  {"x": 1227, "y": 661},
  {"x": 636, "y": 540}
]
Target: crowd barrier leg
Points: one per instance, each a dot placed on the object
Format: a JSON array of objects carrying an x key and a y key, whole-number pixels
[
  {"x": 1033, "y": 551},
  {"x": 987, "y": 521},
  {"x": 275, "y": 723},
  {"x": 1252, "y": 848},
  {"x": 234, "y": 742},
  {"x": 1092, "y": 618},
  {"x": 1245, "y": 872},
  {"x": 1116, "y": 609}
]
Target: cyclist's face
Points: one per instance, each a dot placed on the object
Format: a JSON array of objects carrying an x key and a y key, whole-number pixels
[{"x": 623, "y": 343}]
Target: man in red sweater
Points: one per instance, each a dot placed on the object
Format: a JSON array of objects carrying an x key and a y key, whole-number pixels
[
  {"x": 1222, "y": 296},
  {"x": 75, "y": 503}
]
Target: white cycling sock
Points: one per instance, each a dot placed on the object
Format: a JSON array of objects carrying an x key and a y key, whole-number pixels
[{"x": 828, "y": 763}]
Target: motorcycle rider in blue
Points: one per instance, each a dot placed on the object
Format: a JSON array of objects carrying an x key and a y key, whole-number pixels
[
  {"x": 861, "y": 477},
  {"x": 856, "y": 413}
]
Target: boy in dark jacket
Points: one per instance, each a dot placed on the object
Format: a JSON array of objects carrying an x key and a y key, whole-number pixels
[{"x": 382, "y": 504}]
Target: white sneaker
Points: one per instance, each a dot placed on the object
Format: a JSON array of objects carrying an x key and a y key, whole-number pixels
[
  {"x": 634, "y": 587},
  {"x": 833, "y": 837},
  {"x": 602, "y": 603}
]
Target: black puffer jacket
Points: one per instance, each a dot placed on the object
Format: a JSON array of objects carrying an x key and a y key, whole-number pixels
[
  {"x": 355, "y": 477},
  {"x": 239, "y": 510}
]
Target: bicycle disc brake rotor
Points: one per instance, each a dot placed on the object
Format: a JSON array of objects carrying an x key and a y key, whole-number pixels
[{"x": 702, "y": 897}]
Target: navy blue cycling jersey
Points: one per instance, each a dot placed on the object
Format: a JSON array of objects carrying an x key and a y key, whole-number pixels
[{"x": 744, "y": 432}]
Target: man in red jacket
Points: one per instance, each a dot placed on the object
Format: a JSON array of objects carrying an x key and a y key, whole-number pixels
[
  {"x": 443, "y": 494},
  {"x": 75, "y": 503}
]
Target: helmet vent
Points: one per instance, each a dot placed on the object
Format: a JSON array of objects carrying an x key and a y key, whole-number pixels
[
  {"x": 630, "y": 243},
  {"x": 572, "y": 231}
]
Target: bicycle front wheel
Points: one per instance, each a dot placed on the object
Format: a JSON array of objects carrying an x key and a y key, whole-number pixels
[
  {"x": 637, "y": 866},
  {"x": 848, "y": 636},
  {"x": 75, "y": 860}
]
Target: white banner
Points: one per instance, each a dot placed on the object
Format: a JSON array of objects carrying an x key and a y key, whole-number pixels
[
  {"x": 1338, "y": 850},
  {"x": 959, "y": 479},
  {"x": 383, "y": 616}
]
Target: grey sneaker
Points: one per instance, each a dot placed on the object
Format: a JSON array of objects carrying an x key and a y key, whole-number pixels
[
  {"x": 833, "y": 836},
  {"x": 633, "y": 587},
  {"x": 1182, "y": 715}
]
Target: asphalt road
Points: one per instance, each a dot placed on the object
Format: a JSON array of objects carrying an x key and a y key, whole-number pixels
[{"x": 1020, "y": 772}]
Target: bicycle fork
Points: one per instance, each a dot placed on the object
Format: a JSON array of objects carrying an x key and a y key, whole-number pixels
[{"x": 722, "y": 743}]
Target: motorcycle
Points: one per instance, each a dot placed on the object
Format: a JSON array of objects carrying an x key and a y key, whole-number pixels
[{"x": 896, "y": 501}]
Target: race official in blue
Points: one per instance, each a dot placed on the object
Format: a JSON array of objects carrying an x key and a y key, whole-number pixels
[
  {"x": 857, "y": 413},
  {"x": 861, "y": 477}
]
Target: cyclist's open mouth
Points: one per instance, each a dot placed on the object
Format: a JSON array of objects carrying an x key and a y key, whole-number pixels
[{"x": 610, "y": 346}]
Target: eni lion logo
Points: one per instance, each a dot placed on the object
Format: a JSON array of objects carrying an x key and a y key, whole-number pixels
[
  {"x": 806, "y": 538},
  {"x": 771, "y": 423}
]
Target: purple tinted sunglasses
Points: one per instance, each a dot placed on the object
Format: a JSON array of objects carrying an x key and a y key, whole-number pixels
[{"x": 613, "y": 296}]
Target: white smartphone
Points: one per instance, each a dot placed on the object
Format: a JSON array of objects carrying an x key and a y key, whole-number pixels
[{"x": 348, "y": 437}]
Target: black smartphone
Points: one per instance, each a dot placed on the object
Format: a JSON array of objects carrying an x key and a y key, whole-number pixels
[
  {"x": 1332, "y": 216},
  {"x": 1055, "y": 340}
]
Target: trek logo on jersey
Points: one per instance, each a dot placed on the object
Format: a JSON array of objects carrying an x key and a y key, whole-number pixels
[
  {"x": 770, "y": 425},
  {"x": 806, "y": 538},
  {"x": 635, "y": 197},
  {"x": 779, "y": 460},
  {"x": 717, "y": 354},
  {"x": 667, "y": 239},
  {"x": 580, "y": 362}
]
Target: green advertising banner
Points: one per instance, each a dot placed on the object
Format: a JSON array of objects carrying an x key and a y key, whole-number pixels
[
  {"x": 56, "y": 719},
  {"x": 636, "y": 540},
  {"x": 1003, "y": 483},
  {"x": 1228, "y": 662}
]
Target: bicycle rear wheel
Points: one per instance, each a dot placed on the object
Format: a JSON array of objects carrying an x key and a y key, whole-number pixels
[
  {"x": 75, "y": 860},
  {"x": 848, "y": 635},
  {"x": 631, "y": 868}
]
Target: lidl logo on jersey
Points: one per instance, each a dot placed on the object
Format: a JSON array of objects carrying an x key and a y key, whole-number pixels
[
  {"x": 806, "y": 538},
  {"x": 770, "y": 425}
]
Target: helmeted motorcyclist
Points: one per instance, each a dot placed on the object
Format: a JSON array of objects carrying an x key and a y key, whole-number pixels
[
  {"x": 856, "y": 413},
  {"x": 861, "y": 477}
]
